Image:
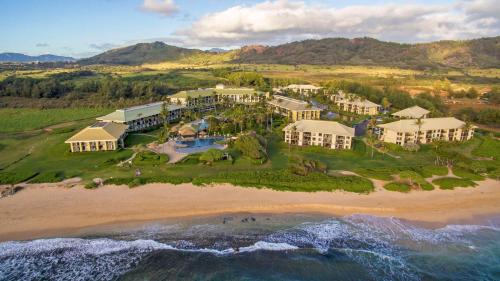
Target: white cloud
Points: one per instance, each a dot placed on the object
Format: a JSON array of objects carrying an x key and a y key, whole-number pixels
[
  {"x": 273, "y": 22},
  {"x": 164, "y": 7},
  {"x": 103, "y": 46}
]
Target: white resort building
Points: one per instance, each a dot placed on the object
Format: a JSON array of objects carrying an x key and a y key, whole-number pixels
[
  {"x": 327, "y": 134},
  {"x": 207, "y": 99},
  {"x": 303, "y": 89},
  {"x": 101, "y": 136},
  {"x": 429, "y": 130},
  {"x": 414, "y": 112},
  {"x": 143, "y": 116},
  {"x": 355, "y": 104},
  {"x": 294, "y": 109}
]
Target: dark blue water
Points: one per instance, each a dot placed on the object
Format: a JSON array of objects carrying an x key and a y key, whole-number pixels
[{"x": 264, "y": 248}]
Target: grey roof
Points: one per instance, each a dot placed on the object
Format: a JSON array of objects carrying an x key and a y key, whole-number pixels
[
  {"x": 136, "y": 112},
  {"x": 412, "y": 112},
  {"x": 410, "y": 125},
  {"x": 291, "y": 104},
  {"x": 321, "y": 126}
]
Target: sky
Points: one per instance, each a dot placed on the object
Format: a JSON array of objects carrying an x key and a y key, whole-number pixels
[{"x": 82, "y": 28}]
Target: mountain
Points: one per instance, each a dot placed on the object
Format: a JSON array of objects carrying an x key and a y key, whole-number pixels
[
  {"x": 17, "y": 57},
  {"x": 217, "y": 50},
  {"x": 141, "y": 53},
  {"x": 482, "y": 53}
]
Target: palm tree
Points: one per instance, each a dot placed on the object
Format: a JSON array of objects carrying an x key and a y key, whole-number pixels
[
  {"x": 419, "y": 123},
  {"x": 164, "y": 113},
  {"x": 293, "y": 130},
  {"x": 369, "y": 132}
]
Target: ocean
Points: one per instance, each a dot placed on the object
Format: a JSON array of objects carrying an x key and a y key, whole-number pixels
[{"x": 263, "y": 247}]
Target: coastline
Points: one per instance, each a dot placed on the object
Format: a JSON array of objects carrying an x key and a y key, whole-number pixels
[{"x": 45, "y": 210}]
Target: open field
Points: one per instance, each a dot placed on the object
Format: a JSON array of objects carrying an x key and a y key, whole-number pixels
[{"x": 26, "y": 119}]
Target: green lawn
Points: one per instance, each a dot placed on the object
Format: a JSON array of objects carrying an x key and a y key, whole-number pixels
[
  {"x": 489, "y": 147},
  {"x": 25, "y": 119},
  {"x": 135, "y": 139}
]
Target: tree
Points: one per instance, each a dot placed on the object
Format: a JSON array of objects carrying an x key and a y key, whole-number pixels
[
  {"x": 385, "y": 103},
  {"x": 293, "y": 130},
  {"x": 419, "y": 124},
  {"x": 164, "y": 133},
  {"x": 210, "y": 156}
]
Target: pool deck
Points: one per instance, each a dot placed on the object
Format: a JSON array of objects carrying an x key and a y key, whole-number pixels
[{"x": 169, "y": 148}]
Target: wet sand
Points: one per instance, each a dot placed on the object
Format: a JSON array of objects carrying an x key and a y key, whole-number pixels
[{"x": 52, "y": 211}]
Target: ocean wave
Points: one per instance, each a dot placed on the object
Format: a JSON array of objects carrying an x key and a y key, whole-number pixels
[
  {"x": 93, "y": 259},
  {"x": 386, "y": 247}
]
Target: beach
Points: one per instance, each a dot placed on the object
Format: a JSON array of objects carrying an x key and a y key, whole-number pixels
[{"x": 46, "y": 210}]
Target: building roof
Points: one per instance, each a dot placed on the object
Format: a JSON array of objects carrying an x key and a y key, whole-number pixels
[
  {"x": 321, "y": 126},
  {"x": 412, "y": 112},
  {"x": 410, "y": 125},
  {"x": 100, "y": 131},
  {"x": 291, "y": 104},
  {"x": 359, "y": 102},
  {"x": 355, "y": 100},
  {"x": 220, "y": 91},
  {"x": 137, "y": 112},
  {"x": 302, "y": 87}
]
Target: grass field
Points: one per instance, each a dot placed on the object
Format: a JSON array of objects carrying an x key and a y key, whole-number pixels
[{"x": 25, "y": 119}]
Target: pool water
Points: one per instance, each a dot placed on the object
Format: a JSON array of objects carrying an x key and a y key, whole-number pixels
[{"x": 199, "y": 145}]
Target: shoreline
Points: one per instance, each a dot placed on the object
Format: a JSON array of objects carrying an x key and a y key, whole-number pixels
[{"x": 44, "y": 210}]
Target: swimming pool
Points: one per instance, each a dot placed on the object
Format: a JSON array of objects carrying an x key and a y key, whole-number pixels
[{"x": 199, "y": 145}]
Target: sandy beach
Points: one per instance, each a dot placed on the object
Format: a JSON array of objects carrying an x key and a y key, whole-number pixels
[{"x": 48, "y": 211}]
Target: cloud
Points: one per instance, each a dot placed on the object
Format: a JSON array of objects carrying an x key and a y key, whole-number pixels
[
  {"x": 164, "y": 7},
  {"x": 103, "y": 46},
  {"x": 41, "y": 45},
  {"x": 274, "y": 22}
]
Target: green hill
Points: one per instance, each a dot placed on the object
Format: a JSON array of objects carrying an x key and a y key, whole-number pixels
[
  {"x": 141, "y": 53},
  {"x": 484, "y": 53},
  {"x": 480, "y": 53}
]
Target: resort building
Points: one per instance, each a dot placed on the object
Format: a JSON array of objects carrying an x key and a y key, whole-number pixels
[
  {"x": 143, "y": 116},
  {"x": 294, "y": 109},
  {"x": 101, "y": 136},
  {"x": 328, "y": 134},
  {"x": 414, "y": 112},
  {"x": 425, "y": 130},
  {"x": 207, "y": 99},
  {"x": 305, "y": 90},
  {"x": 353, "y": 103}
]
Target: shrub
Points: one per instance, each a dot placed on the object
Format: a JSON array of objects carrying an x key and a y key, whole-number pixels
[
  {"x": 397, "y": 186},
  {"x": 415, "y": 178},
  {"x": 212, "y": 155},
  {"x": 136, "y": 181},
  {"x": 48, "y": 177},
  {"x": 429, "y": 171},
  {"x": 451, "y": 183},
  {"x": 377, "y": 173},
  {"x": 147, "y": 157},
  {"x": 465, "y": 174},
  {"x": 286, "y": 181},
  {"x": 16, "y": 177},
  {"x": 91, "y": 185},
  {"x": 302, "y": 166},
  {"x": 250, "y": 146},
  {"x": 412, "y": 147}
]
